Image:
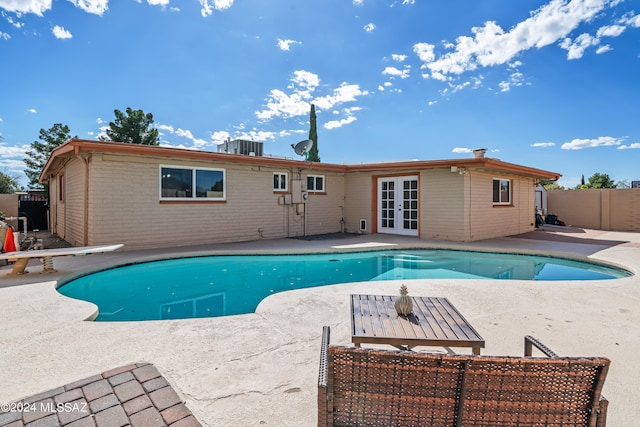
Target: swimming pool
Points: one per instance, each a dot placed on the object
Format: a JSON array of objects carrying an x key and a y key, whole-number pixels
[{"x": 211, "y": 286}]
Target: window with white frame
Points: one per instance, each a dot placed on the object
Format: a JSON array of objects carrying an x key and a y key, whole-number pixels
[
  {"x": 280, "y": 181},
  {"x": 177, "y": 182},
  {"x": 501, "y": 191},
  {"x": 315, "y": 183}
]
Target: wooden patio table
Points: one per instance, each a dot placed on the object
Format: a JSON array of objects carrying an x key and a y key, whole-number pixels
[{"x": 433, "y": 322}]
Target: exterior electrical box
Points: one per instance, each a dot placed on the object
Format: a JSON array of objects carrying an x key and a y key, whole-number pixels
[{"x": 298, "y": 192}]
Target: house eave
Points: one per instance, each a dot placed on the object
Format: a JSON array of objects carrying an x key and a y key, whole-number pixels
[{"x": 77, "y": 146}]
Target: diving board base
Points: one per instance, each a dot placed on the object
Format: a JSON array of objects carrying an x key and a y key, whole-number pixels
[{"x": 21, "y": 258}]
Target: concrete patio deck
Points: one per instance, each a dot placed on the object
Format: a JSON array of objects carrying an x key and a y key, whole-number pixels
[{"x": 261, "y": 368}]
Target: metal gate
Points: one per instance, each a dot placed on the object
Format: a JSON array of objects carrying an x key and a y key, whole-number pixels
[{"x": 34, "y": 207}]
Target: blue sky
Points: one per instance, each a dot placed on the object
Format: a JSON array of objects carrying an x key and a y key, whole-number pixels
[{"x": 551, "y": 84}]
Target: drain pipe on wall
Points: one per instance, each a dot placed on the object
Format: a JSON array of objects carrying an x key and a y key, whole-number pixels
[{"x": 86, "y": 157}]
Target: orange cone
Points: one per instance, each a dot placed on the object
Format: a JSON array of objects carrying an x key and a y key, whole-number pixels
[{"x": 9, "y": 244}]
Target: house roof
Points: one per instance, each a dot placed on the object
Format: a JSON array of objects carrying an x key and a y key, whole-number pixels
[{"x": 77, "y": 147}]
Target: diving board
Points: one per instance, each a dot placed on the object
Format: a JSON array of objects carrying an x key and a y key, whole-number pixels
[{"x": 21, "y": 258}]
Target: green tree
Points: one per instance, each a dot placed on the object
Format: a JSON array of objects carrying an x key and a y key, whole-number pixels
[
  {"x": 8, "y": 184},
  {"x": 313, "y": 155},
  {"x": 600, "y": 180},
  {"x": 552, "y": 186},
  {"x": 37, "y": 157},
  {"x": 132, "y": 128}
]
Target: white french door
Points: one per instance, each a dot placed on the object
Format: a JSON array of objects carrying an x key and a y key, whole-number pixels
[{"x": 398, "y": 205}]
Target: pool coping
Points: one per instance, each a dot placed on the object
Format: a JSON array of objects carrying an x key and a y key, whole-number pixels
[{"x": 225, "y": 380}]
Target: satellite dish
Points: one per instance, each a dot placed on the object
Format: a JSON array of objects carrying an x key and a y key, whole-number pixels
[{"x": 302, "y": 148}]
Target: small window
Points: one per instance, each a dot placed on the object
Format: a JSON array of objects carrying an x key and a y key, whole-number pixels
[
  {"x": 61, "y": 188},
  {"x": 501, "y": 191},
  {"x": 187, "y": 183},
  {"x": 280, "y": 181},
  {"x": 315, "y": 184}
]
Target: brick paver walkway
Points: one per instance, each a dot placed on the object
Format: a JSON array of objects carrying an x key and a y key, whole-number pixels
[{"x": 134, "y": 395}]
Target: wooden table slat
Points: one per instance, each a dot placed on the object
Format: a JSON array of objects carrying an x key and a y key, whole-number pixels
[{"x": 434, "y": 321}]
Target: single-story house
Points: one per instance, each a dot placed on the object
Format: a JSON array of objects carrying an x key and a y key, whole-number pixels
[{"x": 151, "y": 196}]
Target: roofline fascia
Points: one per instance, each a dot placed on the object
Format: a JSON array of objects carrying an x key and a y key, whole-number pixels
[{"x": 83, "y": 145}]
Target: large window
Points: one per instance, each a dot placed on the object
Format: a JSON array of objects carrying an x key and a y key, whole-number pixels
[
  {"x": 315, "y": 184},
  {"x": 280, "y": 181},
  {"x": 501, "y": 191},
  {"x": 188, "y": 183}
]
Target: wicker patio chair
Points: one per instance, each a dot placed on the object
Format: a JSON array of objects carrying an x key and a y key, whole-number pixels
[{"x": 367, "y": 387}]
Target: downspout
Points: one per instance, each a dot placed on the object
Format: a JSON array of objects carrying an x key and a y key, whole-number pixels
[{"x": 86, "y": 157}]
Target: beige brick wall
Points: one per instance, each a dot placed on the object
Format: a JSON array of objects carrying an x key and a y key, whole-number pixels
[
  {"x": 124, "y": 206},
  {"x": 324, "y": 210},
  {"x": 489, "y": 221},
  {"x": 443, "y": 205},
  {"x": 72, "y": 210},
  {"x": 9, "y": 204},
  {"x": 599, "y": 209},
  {"x": 358, "y": 202}
]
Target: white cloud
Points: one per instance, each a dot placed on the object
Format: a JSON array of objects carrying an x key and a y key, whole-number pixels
[
  {"x": 575, "y": 48},
  {"x": 462, "y": 150},
  {"x": 544, "y": 144},
  {"x": 306, "y": 79},
  {"x": 634, "y": 21},
  {"x": 333, "y": 124},
  {"x": 37, "y": 7},
  {"x": 11, "y": 21},
  {"x": 9, "y": 152},
  {"x": 394, "y": 72},
  {"x": 32, "y": 110},
  {"x": 167, "y": 128},
  {"x": 281, "y": 104},
  {"x": 4, "y": 36},
  {"x": 369, "y": 27},
  {"x": 358, "y": 2},
  {"x": 345, "y": 93},
  {"x": 515, "y": 79},
  {"x": 610, "y": 31},
  {"x": 630, "y": 146},
  {"x": 220, "y": 136},
  {"x": 208, "y": 6},
  {"x": 197, "y": 142},
  {"x": 603, "y": 141},
  {"x": 491, "y": 45},
  {"x": 183, "y": 133},
  {"x": 60, "y": 33},
  {"x": 603, "y": 49},
  {"x": 97, "y": 7},
  {"x": 399, "y": 58},
  {"x": 162, "y": 3},
  {"x": 431, "y": 103},
  {"x": 425, "y": 51},
  {"x": 408, "y": 1},
  {"x": 286, "y": 44}
]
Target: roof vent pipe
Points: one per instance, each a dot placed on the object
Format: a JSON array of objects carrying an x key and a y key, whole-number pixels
[{"x": 478, "y": 153}]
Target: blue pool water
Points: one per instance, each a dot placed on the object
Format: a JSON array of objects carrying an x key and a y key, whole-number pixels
[{"x": 235, "y": 284}]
